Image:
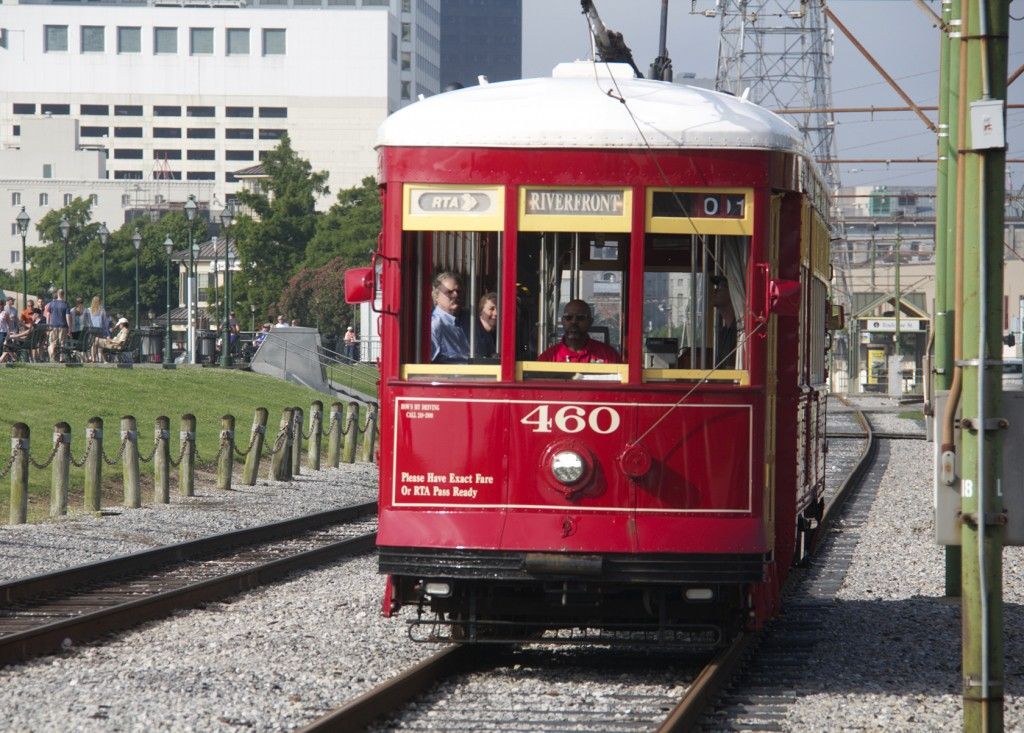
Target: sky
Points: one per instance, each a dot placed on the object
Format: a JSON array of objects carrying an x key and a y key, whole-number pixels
[{"x": 898, "y": 33}]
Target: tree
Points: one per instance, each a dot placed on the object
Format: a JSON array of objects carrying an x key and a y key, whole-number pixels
[
  {"x": 313, "y": 296},
  {"x": 46, "y": 261},
  {"x": 272, "y": 243},
  {"x": 349, "y": 229}
]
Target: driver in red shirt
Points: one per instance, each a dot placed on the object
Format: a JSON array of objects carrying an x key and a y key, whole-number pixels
[{"x": 576, "y": 346}]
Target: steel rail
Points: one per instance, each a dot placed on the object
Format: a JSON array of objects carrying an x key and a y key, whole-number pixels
[
  {"x": 392, "y": 694},
  {"x": 702, "y": 692},
  {"x": 55, "y": 635},
  {"x": 61, "y": 581}
]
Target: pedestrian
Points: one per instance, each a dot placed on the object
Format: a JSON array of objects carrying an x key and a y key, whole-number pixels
[
  {"x": 350, "y": 344},
  {"x": 282, "y": 322},
  {"x": 8, "y": 316},
  {"x": 58, "y": 323}
]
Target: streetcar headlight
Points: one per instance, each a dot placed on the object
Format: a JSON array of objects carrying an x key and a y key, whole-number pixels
[
  {"x": 434, "y": 588},
  {"x": 568, "y": 466}
]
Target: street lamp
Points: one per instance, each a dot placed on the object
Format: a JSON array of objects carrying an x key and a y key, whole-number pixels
[
  {"x": 252, "y": 317},
  {"x": 65, "y": 230},
  {"x": 104, "y": 235},
  {"x": 168, "y": 362},
  {"x": 193, "y": 257},
  {"x": 137, "y": 243},
  {"x": 22, "y": 220},
  {"x": 190, "y": 215},
  {"x": 226, "y": 215}
]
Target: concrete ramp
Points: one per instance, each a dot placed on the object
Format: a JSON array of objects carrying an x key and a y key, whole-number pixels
[{"x": 293, "y": 354}]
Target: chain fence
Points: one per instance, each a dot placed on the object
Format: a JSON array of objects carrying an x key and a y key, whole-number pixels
[
  {"x": 120, "y": 452},
  {"x": 260, "y": 430}
]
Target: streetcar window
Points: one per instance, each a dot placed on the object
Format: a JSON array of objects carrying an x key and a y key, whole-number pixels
[
  {"x": 554, "y": 268},
  {"x": 450, "y": 318},
  {"x": 694, "y": 304}
]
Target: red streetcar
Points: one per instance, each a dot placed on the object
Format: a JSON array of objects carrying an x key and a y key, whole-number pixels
[{"x": 662, "y": 493}]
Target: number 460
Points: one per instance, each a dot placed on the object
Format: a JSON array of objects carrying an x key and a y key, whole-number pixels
[{"x": 573, "y": 419}]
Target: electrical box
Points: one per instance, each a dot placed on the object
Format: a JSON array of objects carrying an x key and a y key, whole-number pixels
[
  {"x": 987, "y": 130},
  {"x": 1010, "y": 485}
]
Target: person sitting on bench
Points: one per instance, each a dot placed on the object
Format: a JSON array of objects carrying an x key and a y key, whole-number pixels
[{"x": 114, "y": 343}]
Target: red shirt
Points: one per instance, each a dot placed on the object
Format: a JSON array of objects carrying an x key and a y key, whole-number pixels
[{"x": 593, "y": 352}]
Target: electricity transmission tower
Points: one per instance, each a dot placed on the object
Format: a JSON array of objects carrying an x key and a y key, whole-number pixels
[{"x": 781, "y": 51}]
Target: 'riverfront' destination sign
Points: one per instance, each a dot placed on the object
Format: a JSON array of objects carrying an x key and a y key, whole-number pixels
[{"x": 575, "y": 202}]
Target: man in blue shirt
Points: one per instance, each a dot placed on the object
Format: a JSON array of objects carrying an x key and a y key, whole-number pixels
[
  {"x": 59, "y": 321},
  {"x": 448, "y": 341}
]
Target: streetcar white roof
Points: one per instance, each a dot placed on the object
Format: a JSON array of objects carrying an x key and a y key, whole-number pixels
[{"x": 579, "y": 107}]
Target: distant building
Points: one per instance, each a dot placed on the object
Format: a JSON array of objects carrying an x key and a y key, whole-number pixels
[{"x": 481, "y": 37}]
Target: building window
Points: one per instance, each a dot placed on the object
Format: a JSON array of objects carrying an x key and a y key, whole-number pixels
[
  {"x": 17, "y": 130},
  {"x": 237, "y": 41},
  {"x": 93, "y": 131},
  {"x": 92, "y": 39},
  {"x": 47, "y": 170},
  {"x": 204, "y": 133},
  {"x": 394, "y": 48},
  {"x": 238, "y": 155},
  {"x": 94, "y": 199},
  {"x": 200, "y": 41},
  {"x": 128, "y": 110},
  {"x": 238, "y": 112},
  {"x": 127, "y": 154},
  {"x": 201, "y": 155},
  {"x": 55, "y": 38},
  {"x": 166, "y": 111},
  {"x": 127, "y": 176},
  {"x": 406, "y": 6},
  {"x": 201, "y": 176},
  {"x": 406, "y": 60},
  {"x": 55, "y": 109},
  {"x": 94, "y": 109},
  {"x": 44, "y": 199},
  {"x": 273, "y": 41},
  {"x": 238, "y": 133},
  {"x": 16, "y": 198},
  {"x": 263, "y": 155},
  {"x": 167, "y": 154},
  {"x": 165, "y": 40},
  {"x": 230, "y": 178},
  {"x": 15, "y": 256},
  {"x": 200, "y": 111},
  {"x": 67, "y": 199},
  {"x": 406, "y": 32},
  {"x": 127, "y": 132},
  {"x": 278, "y": 112},
  {"x": 272, "y": 134},
  {"x": 166, "y": 175},
  {"x": 125, "y": 199},
  {"x": 20, "y": 108},
  {"x": 405, "y": 90},
  {"x": 167, "y": 132},
  {"x": 129, "y": 39}
]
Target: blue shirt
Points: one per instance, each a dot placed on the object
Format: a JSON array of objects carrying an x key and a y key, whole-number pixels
[
  {"x": 448, "y": 342},
  {"x": 58, "y": 310}
]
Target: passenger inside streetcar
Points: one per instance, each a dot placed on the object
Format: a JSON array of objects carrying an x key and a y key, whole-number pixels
[
  {"x": 576, "y": 346},
  {"x": 448, "y": 341}
]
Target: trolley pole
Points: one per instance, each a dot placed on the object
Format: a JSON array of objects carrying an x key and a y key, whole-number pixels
[
  {"x": 984, "y": 41},
  {"x": 945, "y": 235}
]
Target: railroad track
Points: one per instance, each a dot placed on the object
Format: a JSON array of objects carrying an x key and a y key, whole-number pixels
[
  {"x": 852, "y": 453},
  {"x": 46, "y": 613}
]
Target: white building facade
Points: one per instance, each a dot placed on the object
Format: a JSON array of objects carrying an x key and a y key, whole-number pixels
[{"x": 184, "y": 95}]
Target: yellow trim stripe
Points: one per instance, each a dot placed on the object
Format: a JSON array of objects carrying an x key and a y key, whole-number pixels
[{"x": 740, "y": 376}]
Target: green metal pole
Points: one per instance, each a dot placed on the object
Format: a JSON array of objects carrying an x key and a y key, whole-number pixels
[
  {"x": 945, "y": 239},
  {"x": 898, "y": 351},
  {"x": 225, "y": 359},
  {"x": 985, "y": 31},
  {"x": 24, "y": 274}
]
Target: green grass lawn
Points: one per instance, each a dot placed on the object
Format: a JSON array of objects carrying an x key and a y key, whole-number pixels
[{"x": 43, "y": 396}]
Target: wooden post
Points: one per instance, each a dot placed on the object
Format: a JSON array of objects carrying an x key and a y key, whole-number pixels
[
  {"x": 61, "y": 467},
  {"x": 348, "y": 453},
  {"x": 297, "y": 425},
  {"x": 316, "y": 429},
  {"x": 130, "y": 462},
  {"x": 279, "y": 461},
  {"x": 187, "y": 467},
  {"x": 94, "y": 464},
  {"x": 226, "y": 461},
  {"x": 19, "y": 472},
  {"x": 252, "y": 461},
  {"x": 370, "y": 436},
  {"x": 162, "y": 460},
  {"x": 334, "y": 436}
]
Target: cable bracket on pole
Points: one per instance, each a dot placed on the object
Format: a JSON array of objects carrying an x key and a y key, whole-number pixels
[
  {"x": 992, "y": 519},
  {"x": 991, "y": 423}
]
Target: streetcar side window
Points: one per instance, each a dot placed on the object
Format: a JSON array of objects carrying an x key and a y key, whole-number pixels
[
  {"x": 694, "y": 305},
  {"x": 554, "y": 268},
  {"x": 450, "y": 320}
]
